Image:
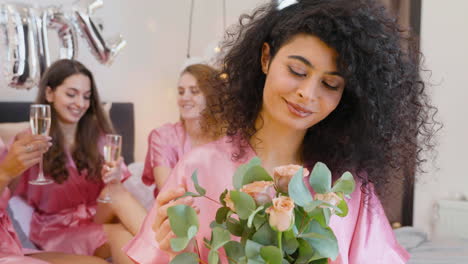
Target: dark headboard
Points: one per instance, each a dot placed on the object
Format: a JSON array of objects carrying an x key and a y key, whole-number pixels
[{"x": 121, "y": 114}]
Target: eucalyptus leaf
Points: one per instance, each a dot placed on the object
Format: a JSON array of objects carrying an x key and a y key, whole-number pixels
[
  {"x": 220, "y": 237},
  {"x": 191, "y": 194},
  {"x": 265, "y": 236},
  {"x": 243, "y": 203},
  {"x": 306, "y": 252},
  {"x": 221, "y": 214},
  {"x": 222, "y": 196},
  {"x": 179, "y": 243},
  {"x": 256, "y": 173},
  {"x": 326, "y": 247},
  {"x": 290, "y": 243},
  {"x": 235, "y": 251},
  {"x": 298, "y": 191},
  {"x": 312, "y": 205},
  {"x": 234, "y": 226},
  {"x": 343, "y": 206},
  {"x": 271, "y": 255},
  {"x": 199, "y": 189},
  {"x": 345, "y": 184},
  {"x": 318, "y": 215},
  {"x": 252, "y": 216},
  {"x": 320, "y": 261},
  {"x": 181, "y": 218},
  {"x": 252, "y": 250},
  {"x": 185, "y": 258},
  {"x": 213, "y": 257},
  {"x": 327, "y": 215},
  {"x": 240, "y": 172},
  {"x": 259, "y": 220},
  {"x": 320, "y": 178}
]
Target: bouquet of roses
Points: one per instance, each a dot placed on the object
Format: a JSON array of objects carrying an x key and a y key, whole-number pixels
[{"x": 277, "y": 219}]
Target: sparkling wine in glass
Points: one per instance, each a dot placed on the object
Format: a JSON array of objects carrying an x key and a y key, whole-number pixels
[
  {"x": 112, "y": 151},
  {"x": 39, "y": 120}
]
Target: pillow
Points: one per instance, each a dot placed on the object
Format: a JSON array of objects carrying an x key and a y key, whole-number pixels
[
  {"x": 21, "y": 213},
  {"x": 9, "y": 130},
  {"x": 142, "y": 192}
]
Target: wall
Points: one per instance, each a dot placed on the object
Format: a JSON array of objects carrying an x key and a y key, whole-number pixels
[
  {"x": 444, "y": 42},
  {"x": 146, "y": 72}
]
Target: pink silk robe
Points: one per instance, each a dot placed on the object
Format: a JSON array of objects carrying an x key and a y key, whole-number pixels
[
  {"x": 10, "y": 247},
  {"x": 364, "y": 235},
  {"x": 63, "y": 213},
  {"x": 166, "y": 146}
]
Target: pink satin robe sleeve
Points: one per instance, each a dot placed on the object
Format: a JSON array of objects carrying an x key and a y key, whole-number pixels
[
  {"x": 166, "y": 146},
  {"x": 364, "y": 236}
]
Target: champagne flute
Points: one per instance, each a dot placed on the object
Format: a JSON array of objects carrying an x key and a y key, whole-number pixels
[
  {"x": 40, "y": 119},
  {"x": 112, "y": 152}
]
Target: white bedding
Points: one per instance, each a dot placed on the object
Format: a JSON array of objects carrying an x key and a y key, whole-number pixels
[{"x": 435, "y": 251}]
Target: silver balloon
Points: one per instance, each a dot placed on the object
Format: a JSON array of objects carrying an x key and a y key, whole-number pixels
[
  {"x": 105, "y": 51},
  {"x": 53, "y": 18},
  {"x": 22, "y": 40}
]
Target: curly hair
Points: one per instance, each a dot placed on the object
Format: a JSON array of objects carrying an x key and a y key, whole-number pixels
[
  {"x": 92, "y": 125},
  {"x": 384, "y": 119}
]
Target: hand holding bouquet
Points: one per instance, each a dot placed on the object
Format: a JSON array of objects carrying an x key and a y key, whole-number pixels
[{"x": 276, "y": 219}]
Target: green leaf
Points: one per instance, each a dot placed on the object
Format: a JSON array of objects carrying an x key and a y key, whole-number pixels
[
  {"x": 181, "y": 218},
  {"x": 199, "y": 189},
  {"x": 213, "y": 257},
  {"x": 327, "y": 215},
  {"x": 324, "y": 247},
  {"x": 240, "y": 172},
  {"x": 259, "y": 220},
  {"x": 312, "y": 235},
  {"x": 252, "y": 216},
  {"x": 290, "y": 243},
  {"x": 345, "y": 184},
  {"x": 179, "y": 243},
  {"x": 222, "y": 196},
  {"x": 312, "y": 205},
  {"x": 220, "y": 237},
  {"x": 298, "y": 191},
  {"x": 318, "y": 215},
  {"x": 234, "y": 250},
  {"x": 265, "y": 235},
  {"x": 256, "y": 173},
  {"x": 320, "y": 178},
  {"x": 306, "y": 252},
  {"x": 252, "y": 250},
  {"x": 185, "y": 258},
  {"x": 343, "y": 206},
  {"x": 271, "y": 255},
  {"x": 234, "y": 226},
  {"x": 243, "y": 203},
  {"x": 221, "y": 214},
  {"x": 320, "y": 261},
  {"x": 191, "y": 194}
]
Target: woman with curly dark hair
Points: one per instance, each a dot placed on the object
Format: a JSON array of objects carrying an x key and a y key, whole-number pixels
[{"x": 319, "y": 80}]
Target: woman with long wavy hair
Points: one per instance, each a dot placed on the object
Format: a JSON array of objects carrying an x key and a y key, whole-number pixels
[
  {"x": 66, "y": 215},
  {"x": 334, "y": 81}
]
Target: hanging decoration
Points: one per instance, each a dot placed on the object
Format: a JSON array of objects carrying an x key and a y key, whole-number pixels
[{"x": 24, "y": 47}]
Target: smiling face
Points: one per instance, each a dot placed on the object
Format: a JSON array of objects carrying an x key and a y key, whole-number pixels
[
  {"x": 71, "y": 99},
  {"x": 302, "y": 84},
  {"x": 190, "y": 99}
]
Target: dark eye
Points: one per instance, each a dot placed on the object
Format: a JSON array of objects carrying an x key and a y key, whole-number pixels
[
  {"x": 87, "y": 97},
  {"x": 296, "y": 73},
  {"x": 70, "y": 95},
  {"x": 181, "y": 92},
  {"x": 195, "y": 91}
]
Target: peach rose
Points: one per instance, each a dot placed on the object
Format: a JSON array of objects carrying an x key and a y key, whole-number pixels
[
  {"x": 261, "y": 191},
  {"x": 281, "y": 213},
  {"x": 229, "y": 202},
  {"x": 331, "y": 198},
  {"x": 283, "y": 175}
]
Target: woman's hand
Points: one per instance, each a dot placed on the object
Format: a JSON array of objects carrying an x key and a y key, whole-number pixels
[
  {"x": 110, "y": 171},
  {"x": 161, "y": 224},
  {"x": 24, "y": 153}
]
